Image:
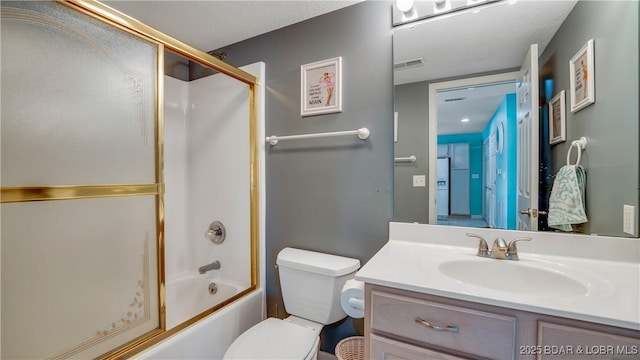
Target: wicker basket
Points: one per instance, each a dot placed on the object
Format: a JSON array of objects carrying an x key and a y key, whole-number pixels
[{"x": 351, "y": 348}]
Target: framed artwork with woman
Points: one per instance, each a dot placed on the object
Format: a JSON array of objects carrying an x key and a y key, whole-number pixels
[
  {"x": 321, "y": 84},
  {"x": 581, "y": 70}
]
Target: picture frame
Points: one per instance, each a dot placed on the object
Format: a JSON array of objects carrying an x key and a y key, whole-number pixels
[
  {"x": 582, "y": 75},
  {"x": 557, "y": 124},
  {"x": 321, "y": 87}
]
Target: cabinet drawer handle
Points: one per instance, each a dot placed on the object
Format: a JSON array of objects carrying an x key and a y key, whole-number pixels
[{"x": 453, "y": 329}]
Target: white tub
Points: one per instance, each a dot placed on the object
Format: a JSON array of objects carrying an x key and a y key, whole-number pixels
[
  {"x": 212, "y": 336},
  {"x": 189, "y": 296}
]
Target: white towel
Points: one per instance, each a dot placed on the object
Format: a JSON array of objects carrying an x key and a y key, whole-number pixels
[{"x": 566, "y": 203}]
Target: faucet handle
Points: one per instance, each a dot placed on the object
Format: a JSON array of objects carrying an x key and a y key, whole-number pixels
[
  {"x": 499, "y": 249},
  {"x": 483, "y": 247},
  {"x": 500, "y": 243},
  {"x": 513, "y": 250}
]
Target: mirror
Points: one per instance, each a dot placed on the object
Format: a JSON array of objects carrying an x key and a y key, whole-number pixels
[{"x": 493, "y": 40}]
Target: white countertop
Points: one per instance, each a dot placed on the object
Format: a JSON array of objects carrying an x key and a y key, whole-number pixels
[{"x": 613, "y": 287}]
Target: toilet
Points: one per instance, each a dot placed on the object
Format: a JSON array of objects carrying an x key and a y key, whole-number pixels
[{"x": 311, "y": 284}]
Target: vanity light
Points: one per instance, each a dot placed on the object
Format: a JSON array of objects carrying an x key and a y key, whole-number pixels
[
  {"x": 441, "y": 6},
  {"x": 410, "y": 16},
  {"x": 465, "y": 120},
  {"x": 406, "y": 6},
  {"x": 408, "y": 10}
]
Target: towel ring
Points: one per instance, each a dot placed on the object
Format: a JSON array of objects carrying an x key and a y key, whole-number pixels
[{"x": 579, "y": 144}]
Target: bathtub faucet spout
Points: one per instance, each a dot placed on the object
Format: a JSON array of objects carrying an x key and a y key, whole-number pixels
[{"x": 213, "y": 266}]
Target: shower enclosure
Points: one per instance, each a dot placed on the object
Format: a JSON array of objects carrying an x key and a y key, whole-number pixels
[{"x": 105, "y": 201}]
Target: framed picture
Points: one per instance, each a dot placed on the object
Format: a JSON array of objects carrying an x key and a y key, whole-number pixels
[
  {"x": 581, "y": 71},
  {"x": 321, "y": 84},
  {"x": 557, "y": 128}
]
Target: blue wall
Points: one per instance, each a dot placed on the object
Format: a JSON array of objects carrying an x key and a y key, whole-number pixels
[
  {"x": 475, "y": 167},
  {"x": 506, "y": 166}
]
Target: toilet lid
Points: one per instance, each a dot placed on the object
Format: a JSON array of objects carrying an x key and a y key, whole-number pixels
[{"x": 273, "y": 339}]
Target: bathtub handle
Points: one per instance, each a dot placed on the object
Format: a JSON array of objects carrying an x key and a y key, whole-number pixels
[{"x": 216, "y": 232}]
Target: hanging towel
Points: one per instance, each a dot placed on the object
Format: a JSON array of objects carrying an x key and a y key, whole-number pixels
[{"x": 566, "y": 203}]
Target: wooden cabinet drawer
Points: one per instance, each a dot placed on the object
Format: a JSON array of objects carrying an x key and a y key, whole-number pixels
[
  {"x": 557, "y": 341},
  {"x": 387, "y": 349},
  {"x": 479, "y": 333}
]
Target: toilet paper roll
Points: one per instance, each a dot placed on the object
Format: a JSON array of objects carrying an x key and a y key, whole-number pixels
[{"x": 352, "y": 298}]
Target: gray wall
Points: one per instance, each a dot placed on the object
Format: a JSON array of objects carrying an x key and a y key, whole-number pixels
[
  {"x": 176, "y": 66},
  {"x": 332, "y": 195},
  {"x": 611, "y": 123},
  {"x": 412, "y": 105}
]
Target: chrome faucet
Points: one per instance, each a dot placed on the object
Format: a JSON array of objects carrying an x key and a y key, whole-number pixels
[
  {"x": 483, "y": 248},
  {"x": 512, "y": 250},
  {"x": 499, "y": 249},
  {"x": 213, "y": 266}
]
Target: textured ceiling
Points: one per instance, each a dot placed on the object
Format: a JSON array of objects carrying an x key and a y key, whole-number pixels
[
  {"x": 213, "y": 24},
  {"x": 493, "y": 38},
  {"x": 497, "y": 37},
  {"x": 478, "y": 104}
]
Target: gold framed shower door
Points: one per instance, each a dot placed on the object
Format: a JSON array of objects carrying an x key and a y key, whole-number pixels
[{"x": 16, "y": 194}]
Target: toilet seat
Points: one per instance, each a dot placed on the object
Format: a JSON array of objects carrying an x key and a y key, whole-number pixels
[{"x": 274, "y": 339}]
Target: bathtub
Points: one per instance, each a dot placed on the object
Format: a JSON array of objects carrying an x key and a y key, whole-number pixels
[
  {"x": 189, "y": 295},
  {"x": 210, "y": 337}
]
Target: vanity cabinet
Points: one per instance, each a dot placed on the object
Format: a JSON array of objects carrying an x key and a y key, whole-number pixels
[
  {"x": 385, "y": 348},
  {"x": 400, "y": 324},
  {"x": 558, "y": 338}
]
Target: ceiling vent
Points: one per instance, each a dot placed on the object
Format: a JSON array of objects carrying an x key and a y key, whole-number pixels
[
  {"x": 454, "y": 99},
  {"x": 408, "y": 64}
]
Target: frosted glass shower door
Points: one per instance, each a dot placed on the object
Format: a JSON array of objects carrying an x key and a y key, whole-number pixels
[
  {"x": 80, "y": 214},
  {"x": 78, "y": 276}
]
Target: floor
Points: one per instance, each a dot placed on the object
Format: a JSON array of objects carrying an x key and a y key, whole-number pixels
[
  {"x": 326, "y": 356},
  {"x": 461, "y": 220}
]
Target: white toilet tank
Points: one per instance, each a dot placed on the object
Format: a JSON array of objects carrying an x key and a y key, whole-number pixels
[{"x": 311, "y": 283}]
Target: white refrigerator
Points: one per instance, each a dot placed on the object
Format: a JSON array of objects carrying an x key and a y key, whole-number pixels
[{"x": 442, "y": 184}]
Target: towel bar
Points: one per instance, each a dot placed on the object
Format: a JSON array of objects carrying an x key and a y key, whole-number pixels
[
  {"x": 580, "y": 145},
  {"x": 409, "y": 159},
  {"x": 363, "y": 134}
]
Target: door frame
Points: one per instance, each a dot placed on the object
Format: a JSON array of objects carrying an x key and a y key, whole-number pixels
[{"x": 432, "y": 136}]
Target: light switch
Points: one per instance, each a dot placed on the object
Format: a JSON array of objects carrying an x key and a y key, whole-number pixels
[
  {"x": 628, "y": 219},
  {"x": 419, "y": 180}
]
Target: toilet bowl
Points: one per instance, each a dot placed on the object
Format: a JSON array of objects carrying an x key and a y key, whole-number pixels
[
  {"x": 311, "y": 285},
  {"x": 275, "y": 339}
]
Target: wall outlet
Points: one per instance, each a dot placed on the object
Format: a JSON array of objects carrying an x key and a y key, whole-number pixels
[
  {"x": 629, "y": 219},
  {"x": 419, "y": 180}
]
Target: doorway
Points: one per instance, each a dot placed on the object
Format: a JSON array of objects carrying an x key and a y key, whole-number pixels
[{"x": 470, "y": 129}]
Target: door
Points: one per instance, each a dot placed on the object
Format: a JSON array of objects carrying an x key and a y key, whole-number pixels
[
  {"x": 527, "y": 110},
  {"x": 491, "y": 180}
]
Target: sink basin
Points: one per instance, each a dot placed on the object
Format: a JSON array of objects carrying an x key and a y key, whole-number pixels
[{"x": 513, "y": 276}]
